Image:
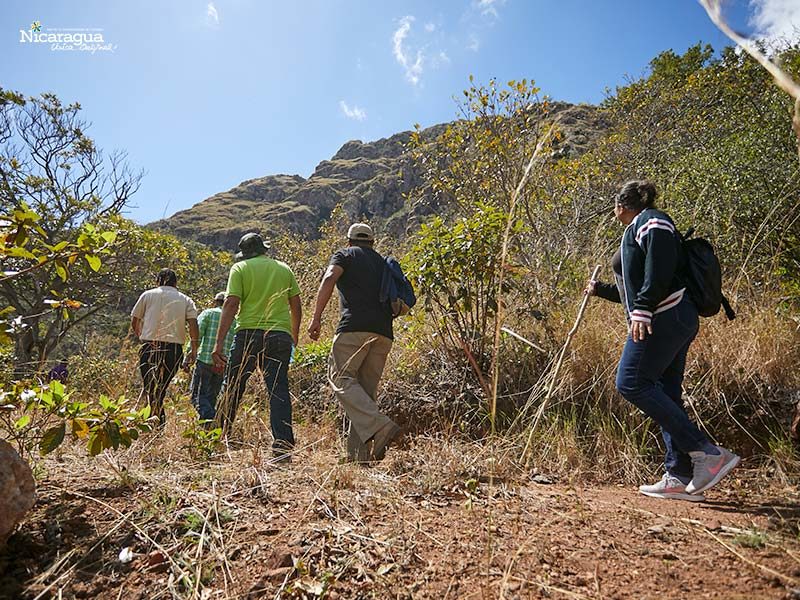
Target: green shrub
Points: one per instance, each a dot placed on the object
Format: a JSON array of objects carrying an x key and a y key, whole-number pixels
[{"x": 43, "y": 416}]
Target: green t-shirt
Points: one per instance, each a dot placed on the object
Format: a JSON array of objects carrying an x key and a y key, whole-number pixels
[{"x": 264, "y": 286}]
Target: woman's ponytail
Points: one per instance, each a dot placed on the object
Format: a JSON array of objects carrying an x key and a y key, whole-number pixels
[{"x": 637, "y": 195}]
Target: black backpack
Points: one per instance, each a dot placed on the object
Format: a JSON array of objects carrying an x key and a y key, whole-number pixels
[{"x": 703, "y": 276}]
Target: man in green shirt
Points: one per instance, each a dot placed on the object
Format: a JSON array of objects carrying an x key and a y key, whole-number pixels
[
  {"x": 207, "y": 379},
  {"x": 265, "y": 295}
]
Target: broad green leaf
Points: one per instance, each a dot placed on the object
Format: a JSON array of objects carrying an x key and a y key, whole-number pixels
[
  {"x": 94, "y": 262},
  {"x": 57, "y": 389},
  {"x": 22, "y": 421},
  {"x": 52, "y": 438},
  {"x": 22, "y": 236},
  {"x": 113, "y": 435},
  {"x": 95, "y": 446},
  {"x": 19, "y": 252},
  {"x": 61, "y": 271}
]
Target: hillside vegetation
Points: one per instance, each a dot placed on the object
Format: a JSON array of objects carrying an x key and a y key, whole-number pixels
[{"x": 368, "y": 180}]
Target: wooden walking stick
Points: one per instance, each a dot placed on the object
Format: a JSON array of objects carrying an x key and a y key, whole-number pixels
[{"x": 557, "y": 368}]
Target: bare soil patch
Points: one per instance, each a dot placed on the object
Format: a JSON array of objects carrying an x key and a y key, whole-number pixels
[{"x": 429, "y": 522}]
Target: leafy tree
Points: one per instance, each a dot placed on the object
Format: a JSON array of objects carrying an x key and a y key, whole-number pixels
[
  {"x": 56, "y": 188},
  {"x": 482, "y": 155},
  {"x": 712, "y": 131},
  {"x": 480, "y": 159},
  {"x": 715, "y": 134},
  {"x": 138, "y": 255},
  {"x": 456, "y": 267}
]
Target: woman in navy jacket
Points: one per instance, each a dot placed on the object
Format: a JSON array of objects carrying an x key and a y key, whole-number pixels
[{"x": 662, "y": 323}]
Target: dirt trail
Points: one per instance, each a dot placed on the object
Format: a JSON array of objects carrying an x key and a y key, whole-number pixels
[{"x": 411, "y": 528}]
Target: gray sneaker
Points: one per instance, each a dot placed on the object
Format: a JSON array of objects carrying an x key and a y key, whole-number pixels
[
  {"x": 709, "y": 469},
  {"x": 671, "y": 488}
]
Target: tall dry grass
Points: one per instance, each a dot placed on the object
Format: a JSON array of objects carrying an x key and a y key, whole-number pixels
[
  {"x": 740, "y": 381},
  {"x": 741, "y": 385}
]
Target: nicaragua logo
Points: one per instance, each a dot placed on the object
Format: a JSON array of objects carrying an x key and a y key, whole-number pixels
[{"x": 73, "y": 39}]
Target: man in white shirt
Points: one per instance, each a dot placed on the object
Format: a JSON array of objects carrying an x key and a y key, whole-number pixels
[{"x": 159, "y": 319}]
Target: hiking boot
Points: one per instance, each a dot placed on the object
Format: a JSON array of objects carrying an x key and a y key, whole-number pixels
[
  {"x": 709, "y": 469},
  {"x": 382, "y": 439},
  {"x": 357, "y": 451},
  {"x": 670, "y": 488}
]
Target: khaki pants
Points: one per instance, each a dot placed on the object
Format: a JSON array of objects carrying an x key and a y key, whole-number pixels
[{"x": 355, "y": 368}]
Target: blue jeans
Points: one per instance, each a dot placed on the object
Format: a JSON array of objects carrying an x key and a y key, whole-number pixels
[
  {"x": 650, "y": 375},
  {"x": 205, "y": 388},
  {"x": 268, "y": 351}
]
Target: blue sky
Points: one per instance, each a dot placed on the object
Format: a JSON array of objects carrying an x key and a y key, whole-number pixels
[{"x": 203, "y": 95}]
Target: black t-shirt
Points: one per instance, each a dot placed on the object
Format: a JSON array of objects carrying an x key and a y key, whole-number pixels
[
  {"x": 612, "y": 291},
  {"x": 616, "y": 263},
  {"x": 359, "y": 287}
]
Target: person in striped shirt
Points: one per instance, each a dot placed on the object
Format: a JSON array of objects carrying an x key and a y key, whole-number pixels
[
  {"x": 207, "y": 378},
  {"x": 662, "y": 323}
]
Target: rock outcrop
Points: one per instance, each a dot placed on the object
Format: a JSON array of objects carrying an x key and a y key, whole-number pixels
[
  {"x": 17, "y": 490},
  {"x": 369, "y": 179}
]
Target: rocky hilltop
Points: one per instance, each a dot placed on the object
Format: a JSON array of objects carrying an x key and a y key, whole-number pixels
[{"x": 370, "y": 180}]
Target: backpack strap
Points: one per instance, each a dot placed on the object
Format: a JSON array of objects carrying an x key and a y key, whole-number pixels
[{"x": 727, "y": 308}]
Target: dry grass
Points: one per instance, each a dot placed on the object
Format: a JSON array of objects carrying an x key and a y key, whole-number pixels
[
  {"x": 741, "y": 384},
  {"x": 321, "y": 526},
  {"x": 443, "y": 516},
  {"x": 181, "y": 514}
]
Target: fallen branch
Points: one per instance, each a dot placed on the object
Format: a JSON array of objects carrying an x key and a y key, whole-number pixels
[{"x": 514, "y": 334}]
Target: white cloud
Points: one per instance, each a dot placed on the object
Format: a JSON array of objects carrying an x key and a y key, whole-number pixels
[
  {"x": 430, "y": 27},
  {"x": 776, "y": 19},
  {"x": 352, "y": 112},
  {"x": 488, "y": 8},
  {"x": 474, "y": 43},
  {"x": 212, "y": 15},
  {"x": 440, "y": 60},
  {"x": 413, "y": 69}
]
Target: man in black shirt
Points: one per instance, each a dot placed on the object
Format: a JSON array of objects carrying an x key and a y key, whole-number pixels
[{"x": 361, "y": 344}]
